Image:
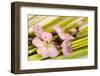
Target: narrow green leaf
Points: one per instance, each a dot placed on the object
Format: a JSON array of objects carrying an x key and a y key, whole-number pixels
[
  {"x": 34, "y": 57},
  {"x": 72, "y": 24},
  {"x": 31, "y": 17},
  {"x": 79, "y": 40},
  {"x": 32, "y": 50},
  {"x": 48, "y": 27},
  {"x": 37, "y": 20},
  {"x": 30, "y": 47},
  {"x": 67, "y": 21}
]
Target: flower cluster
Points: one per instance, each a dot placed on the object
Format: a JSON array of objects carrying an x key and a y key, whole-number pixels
[{"x": 44, "y": 41}]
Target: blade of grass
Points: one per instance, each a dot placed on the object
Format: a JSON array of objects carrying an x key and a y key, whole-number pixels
[
  {"x": 83, "y": 32},
  {"x": 63, "y": 20},
  {"x": 30, "y": 47},
  {"x": 37, "y": 20},
  {"x": 85, "y": 20},
  {"x": 72, "y": 24},
  {"x": 32, "y": 51},
  {"x": 80, "y": 43},
  {"x": 48, "y": 26},
  {"x": 79, "y": 40},
  {"x": 34, "y": 19},
  {"x": 29, "y": 43},
  {"x": 34, "y": 57},
  {"x": 80, "y": 46},
  {"x": 67, "y": 21},
  {"x": 31, "y": 17}
]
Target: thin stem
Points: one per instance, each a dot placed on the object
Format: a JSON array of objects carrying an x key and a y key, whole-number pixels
[{"x": 32, "y": 51}]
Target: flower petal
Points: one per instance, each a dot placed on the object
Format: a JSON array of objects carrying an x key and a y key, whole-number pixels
[
  {"x": 37, "y": 42},
  {"x": 62, "y": 35},
  {"x": 66, "y": 47},
  {"x": 57, "y": 28},
  {"x": 38, "y": 30},
  {"x": 43, "y": 52},
  {"x": 46, "y": 36},
  {"x": 52, "y": 51}
]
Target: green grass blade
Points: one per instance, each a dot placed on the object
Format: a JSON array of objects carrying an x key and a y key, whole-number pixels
[
  {"x": 48, "y": 27},
  {"x": 34, "y": 57},
  {"x": 37, "y": 20},
  {"x": 30, "y": 47},
  {"x": 32, "y": 51},
  {"x": 72, "y": 24},
  {"x": 85, "y": 20},
  {"x": 31, "y": 17},
  {"x": 67, "y": 21},
  {"x": 79, "y": 40},
  {"x": 83, "y": 32}
]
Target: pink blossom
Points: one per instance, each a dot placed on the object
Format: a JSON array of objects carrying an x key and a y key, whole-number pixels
[
  {"x": 42, "y": 34},
  {"x": 53, "y": 52},
  {"x": 46, "y": 36},
  {"x": 57, "y": 28},
  {"x": 37, "y": 42},
  {"x": 43, "y": 52},
  {"x": 45, "y": 49},
  {"x": 62, "y": 35},
  {"x": 66, "y": 47},
  {"x": 38, "y": 30}
]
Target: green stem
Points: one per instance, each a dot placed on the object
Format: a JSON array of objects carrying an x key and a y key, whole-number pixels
[
  {"x": 33, "y": 20},
  {"x": 37, "y": 20},
  {"x": 33, "y": 16},
  {"x": 80, "y": 46},
  {"x": 34, "y": 57},
  {"x": 30, "y": 47},
  {"x": 48, "y": 27},
  {"x": 67, "y": 21},
  {"x": 29, "y": 43},
  {"x": 83, "y": 32},
  {"x": 85, "y": 20},
  {"x": 32, "y": 51},
  {"x": 79, "y": 40},
  {"x": 71, "y": 25}
]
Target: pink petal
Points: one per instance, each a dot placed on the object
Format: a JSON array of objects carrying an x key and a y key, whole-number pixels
[
  {"x": 43, "y": 52},
  {"x": 62, "y": 35},
  {"x": 66, "y": 47},
  {"x": 50, "y": 51},
  {"x": 57, "y": 28},
  {"x": 46, "y": 36},
  {"x": 53, "y": 52},
  {"x": 66, "y": 36},
  {"x": 37, "y": 42},
  {"x": 38, "y": 30}
]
